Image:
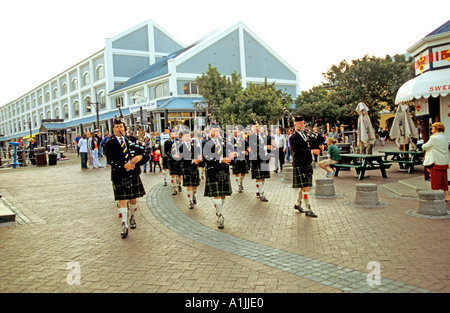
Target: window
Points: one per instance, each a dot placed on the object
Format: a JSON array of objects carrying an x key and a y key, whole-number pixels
[
  {"x": 74, "y": 84},
  {"x": 40, "y": 99},
  {"x": 190, "y": 89},
  {"x": 47, "y": 96},
  {"x": 100, "y": 72},
  {"x": 64, "y": 88},
  {"x": 66, "y": 111},
  {"x": 160, "y": 91},
  {"x": 76, "y": 108},
  {"x": 102, "y": 100},
  {"x": 87, "y": 105},
  {"x": 119, "y": 102},
  {"x": 55, "y": 93},
  {"x": 86, "y": 79}
]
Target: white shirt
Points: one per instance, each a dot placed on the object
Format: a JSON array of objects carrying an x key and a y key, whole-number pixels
[
  {"x": 436, "y": 150},
  {"x": 82, "y": 144}
]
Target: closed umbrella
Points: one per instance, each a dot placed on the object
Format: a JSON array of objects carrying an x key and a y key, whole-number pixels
[
  {"x": 365, "y": 131},
  {"x": 403, "y": 128}
]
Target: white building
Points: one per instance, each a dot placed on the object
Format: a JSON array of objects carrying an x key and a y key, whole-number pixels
[{"x": 141, "y": 67}]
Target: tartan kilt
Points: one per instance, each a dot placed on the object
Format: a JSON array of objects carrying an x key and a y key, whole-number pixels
[
  {"x": 302, "y": 176},
  {"x": 257, "y": 173},
  {"x": 175, "y": 168},
  {"x": 191, "y": 177},
  {"x": 240, "y": 167},
  {"x": 217, "y": 188},
  {"x": 165, "y": 163},
  {"x": 136, "y": 191}
]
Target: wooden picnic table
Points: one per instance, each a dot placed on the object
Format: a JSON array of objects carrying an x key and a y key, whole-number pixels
[
  {"x": 405, "y": 159},
  {"x": 362, "y": 163}
]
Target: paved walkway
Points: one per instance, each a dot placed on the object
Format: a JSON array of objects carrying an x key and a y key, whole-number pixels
[{"x": 67, "y": 225}]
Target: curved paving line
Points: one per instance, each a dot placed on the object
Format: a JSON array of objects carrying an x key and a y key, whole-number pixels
[{"x": 160, "y": 203}]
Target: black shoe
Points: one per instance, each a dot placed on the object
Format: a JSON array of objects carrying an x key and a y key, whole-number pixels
[
  {"x": 132, "y": 222},
  {"x": 174, "y": 191},
  {"x": 124, "y": 232},
  {"x": 220, "y": 220},
  {"x": 194, "y": 199},
  {"x": 240, "y": 189},
  {"x": 263, "y": 198},
  {"x": 179, "y": 188},
  {"x": 310, "y": 214},
  {"x": 165, "y": 183},
  {"x": 191, "y": 205},
  {"x": 299, "y": 208},
  {"x": 257, "y": 194}
]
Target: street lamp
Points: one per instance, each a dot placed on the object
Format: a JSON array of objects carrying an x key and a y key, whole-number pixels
[{"x": 96, "y": 109}]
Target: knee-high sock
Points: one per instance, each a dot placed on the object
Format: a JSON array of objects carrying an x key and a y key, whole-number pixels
[
  {"x": 123, "y": 213},
  {"x": 218, "y": 204},
  {"x": 306, "y": 198},
  {"x": 300, "y": 197},
  {"x": 260, "y": 187},
  {"x": 190, "y": 195},
  {"x": 133, "y": 208}
]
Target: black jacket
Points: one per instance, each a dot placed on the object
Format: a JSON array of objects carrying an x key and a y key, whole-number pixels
[
  {"x": 301, "y": 152},
  {"x": 212, "y": 157},
  {"x": 116, "y": 157},
  {"x": 258, "y": 148}
]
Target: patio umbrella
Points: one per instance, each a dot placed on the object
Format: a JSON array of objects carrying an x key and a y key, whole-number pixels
[
  {"x": 403, "y": 128},
  {"x": 365, "y": 131}
]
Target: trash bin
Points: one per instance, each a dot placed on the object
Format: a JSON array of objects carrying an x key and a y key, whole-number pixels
[
  {"x": 52, "y": 157},
  {"x": 40, "y": 156}
]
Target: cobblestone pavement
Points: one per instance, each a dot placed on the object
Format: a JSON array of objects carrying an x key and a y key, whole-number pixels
[{"x": 67, "y": 238}]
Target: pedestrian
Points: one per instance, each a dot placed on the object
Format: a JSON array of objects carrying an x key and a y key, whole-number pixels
[
  {"x": 280, "y": 148},
  {"x": 82, "y": 145},
  {"x": 77, "y": 139},
  {"x": 436, "y": 158},
  {"x": 156, "y": 155},
  {"x": 333, "y": 155},
  {"x": 240, "y": 165},
  {"x": 302, "y": 165},
  {"x": 190, "y": 155},
  {"x": 93, "y": 144},
  {"x": 217, "y": 164},
  {"x": 259, "y": 148},
  {"x": 317, "y": 141},
  {"x": 31, "y": 146},
  {"x": 125, "y": 156},
  {"x": 165, "y": 158},
  {"x": 147, "y": 145}
]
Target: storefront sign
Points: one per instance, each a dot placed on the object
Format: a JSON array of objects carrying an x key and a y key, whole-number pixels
[
  {"x": 146, "y": 106},
  {"x": 435, "y": 58}
]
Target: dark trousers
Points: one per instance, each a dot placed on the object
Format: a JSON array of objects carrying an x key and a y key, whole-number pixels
[
  {"x": 84, "y": 159},
  {"x": 281, "y": 159}
]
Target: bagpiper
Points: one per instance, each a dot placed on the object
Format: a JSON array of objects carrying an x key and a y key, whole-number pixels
[
  {"x": 171, "y": 148},
  {"x": 190, "y": 154},
  {"x": 302, "y": 165},
  {"x": 259, "y": 147},
  {"x": 217, "y": 164},
  {"x": 240, "y": 166},
  {"x": 125, "y": 155}
]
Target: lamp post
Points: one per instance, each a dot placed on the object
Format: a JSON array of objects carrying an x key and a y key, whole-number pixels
[{"x": 96, "y": 109}]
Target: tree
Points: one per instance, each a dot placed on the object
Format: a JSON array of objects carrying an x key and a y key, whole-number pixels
[{"x": 372, "y": 80}]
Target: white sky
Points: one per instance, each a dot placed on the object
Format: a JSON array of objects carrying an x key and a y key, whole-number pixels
[{"x": 41, "y": 39}]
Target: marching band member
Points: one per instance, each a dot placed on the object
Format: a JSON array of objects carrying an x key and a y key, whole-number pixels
[
  {"x": 125, "y": 156},
  {"x": 302, "y": 165}
]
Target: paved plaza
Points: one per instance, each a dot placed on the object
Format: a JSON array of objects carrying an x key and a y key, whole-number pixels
[{"x": 66, "y": 238}]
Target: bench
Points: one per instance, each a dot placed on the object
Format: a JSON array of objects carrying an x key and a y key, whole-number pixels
[{"x": 362, "y": 163}]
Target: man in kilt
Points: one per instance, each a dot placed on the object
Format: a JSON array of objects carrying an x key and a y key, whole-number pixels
[
  {"x": 165, "y": 159},
  {"x": 171, "y": 148},
  {"x": 240, "y": 166},
  {"x": 125, "y": 155},
  {"x": 259, "y": 148},
  {"x": 217, "y": 164},
  {"x": 302, "y": 165},
  {"x": 190, "y": 155}
]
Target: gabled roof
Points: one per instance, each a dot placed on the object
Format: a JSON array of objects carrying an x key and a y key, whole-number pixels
[
  {"x": 155, "y": 70},
  {"x": 441, "y": 29}
]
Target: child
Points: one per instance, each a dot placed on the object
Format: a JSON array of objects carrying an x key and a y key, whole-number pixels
[
  {"x": 156, "y": 155},
  {"x": 333, "y": 157}
]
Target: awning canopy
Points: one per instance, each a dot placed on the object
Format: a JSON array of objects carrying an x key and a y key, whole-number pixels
[{"x": 433, "y": 83}]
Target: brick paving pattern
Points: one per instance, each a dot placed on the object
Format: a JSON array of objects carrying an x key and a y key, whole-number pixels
[{"x": 68, "y": 215}]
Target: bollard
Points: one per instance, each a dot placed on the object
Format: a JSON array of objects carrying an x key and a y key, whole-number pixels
[
  {"x": 432, "y": 202},
  {"x": 366, "y": 195},
  {"x": 288, "y": 172},
  {"x": 324, "y": 187}
]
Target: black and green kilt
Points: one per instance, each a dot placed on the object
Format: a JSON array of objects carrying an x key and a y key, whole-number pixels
[
  {"x": 136, "y": 191},
  {"x": 240, "y": 167},
  {"x": 191, "y": 177},
  {"x": 175, "y": 167},
  {"x": 302, "y": 176},
  {"x": 218, "y": 186},
  {"x": 165, "y": 161},
  {"x": 257, "y": 173}
]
